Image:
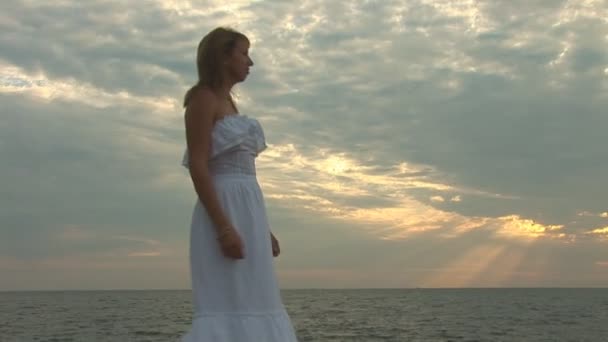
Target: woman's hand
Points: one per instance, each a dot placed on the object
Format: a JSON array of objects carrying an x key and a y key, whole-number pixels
[
  {"x": 231, "y": 243},
  {"x": 276, "y": 250}
]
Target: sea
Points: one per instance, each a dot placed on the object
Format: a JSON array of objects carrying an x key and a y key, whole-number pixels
[{"x": 517, "y": 314}]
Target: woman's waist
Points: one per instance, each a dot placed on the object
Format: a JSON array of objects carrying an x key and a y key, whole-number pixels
[
  {"x": 225, "y": 170},
  {"x": 233, "y": 164},
  {"x": 233, "y": 177}
]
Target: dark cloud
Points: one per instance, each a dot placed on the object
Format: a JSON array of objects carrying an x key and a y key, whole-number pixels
[
  {"x": 504, "y": 128},
  {"x": 114, "y": 47}
]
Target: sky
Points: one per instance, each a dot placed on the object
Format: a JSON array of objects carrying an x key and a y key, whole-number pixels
[{"x": 418, "y": 143}]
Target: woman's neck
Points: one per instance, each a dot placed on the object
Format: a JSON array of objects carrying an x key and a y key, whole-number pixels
[{"x": 225, "y": 89}]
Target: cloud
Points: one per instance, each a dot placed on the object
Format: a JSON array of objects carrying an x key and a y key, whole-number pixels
[
  {"x": 391, "y": 202},
  {"x": 600, "y": 231}
]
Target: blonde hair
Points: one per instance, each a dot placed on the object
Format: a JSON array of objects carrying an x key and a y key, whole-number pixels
[{"x": 212, "y": 50}]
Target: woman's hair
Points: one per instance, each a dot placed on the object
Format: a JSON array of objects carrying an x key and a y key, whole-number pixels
[{"x": 212, "y": 51}]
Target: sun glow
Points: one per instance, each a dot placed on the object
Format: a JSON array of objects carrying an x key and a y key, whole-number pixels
[
  {"x": 336, "y": 183},
  {"x": 600, "y": 231},
  {"x": 514, "y": 225}
]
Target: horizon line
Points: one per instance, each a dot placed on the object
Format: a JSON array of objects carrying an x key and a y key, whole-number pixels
[{"x": 329, "y": 288}]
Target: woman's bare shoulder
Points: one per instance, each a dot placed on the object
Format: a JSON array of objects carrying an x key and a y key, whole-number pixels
[{"x": 203, "y": 99}]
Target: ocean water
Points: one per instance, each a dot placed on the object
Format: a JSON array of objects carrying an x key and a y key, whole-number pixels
[{"x": 320, "y": 315}]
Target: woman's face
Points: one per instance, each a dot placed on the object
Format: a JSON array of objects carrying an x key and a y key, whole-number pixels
[{"x": 238, "y": 63}]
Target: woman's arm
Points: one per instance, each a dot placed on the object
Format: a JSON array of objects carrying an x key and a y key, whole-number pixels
[{"x": 199, "y": 117}]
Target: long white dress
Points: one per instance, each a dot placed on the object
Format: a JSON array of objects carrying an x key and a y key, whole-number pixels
[{"x": 235, "y": 300}]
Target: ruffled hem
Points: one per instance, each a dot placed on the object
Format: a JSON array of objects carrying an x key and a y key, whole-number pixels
[
  {"x": 230, "y": 132},
  {"x": 241, "y": 327}
]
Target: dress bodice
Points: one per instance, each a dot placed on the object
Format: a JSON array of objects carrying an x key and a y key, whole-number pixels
[{"x": 236, "y": 140}]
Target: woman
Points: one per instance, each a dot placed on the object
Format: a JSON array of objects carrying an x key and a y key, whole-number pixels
[{"x": 235, "y": 290}]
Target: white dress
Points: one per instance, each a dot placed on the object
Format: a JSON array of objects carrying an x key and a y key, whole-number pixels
[{"x": 235, "y": 300}]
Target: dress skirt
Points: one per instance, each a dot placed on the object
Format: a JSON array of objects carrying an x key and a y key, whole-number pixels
[{"x": 236, "y": 300}]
